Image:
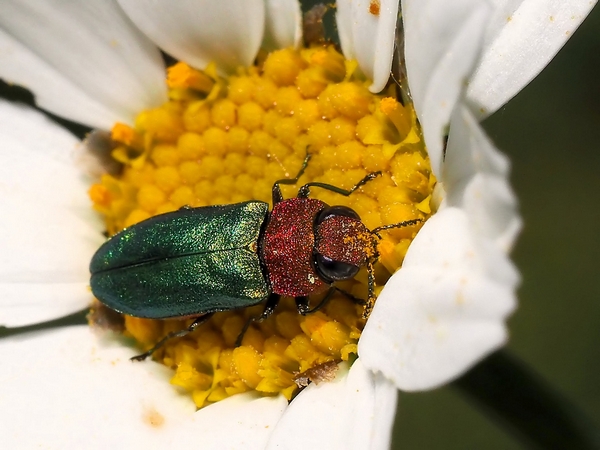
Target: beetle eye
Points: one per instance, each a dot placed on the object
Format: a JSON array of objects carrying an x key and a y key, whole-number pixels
[
  {"x": 335, "y": 211},
  {"x": 331, "y": 270}
]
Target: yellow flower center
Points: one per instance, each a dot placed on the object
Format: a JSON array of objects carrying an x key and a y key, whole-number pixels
[{"x": 219, "y": 141}]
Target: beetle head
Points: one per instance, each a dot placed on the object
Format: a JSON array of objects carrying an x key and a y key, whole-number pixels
[{"x": 342, "y": 244}]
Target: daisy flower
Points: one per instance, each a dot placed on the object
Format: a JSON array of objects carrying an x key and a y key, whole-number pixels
[{"x": 239, "y": 111}]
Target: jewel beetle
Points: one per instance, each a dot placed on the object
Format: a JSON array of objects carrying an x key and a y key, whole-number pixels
[{"x": 197, "y": 261}]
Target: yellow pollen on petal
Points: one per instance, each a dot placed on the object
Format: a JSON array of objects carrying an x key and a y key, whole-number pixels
[
  {"x": 183, "y": 76},
  {"x": 330, "y": 61},
  {"x": 227, "y": 140},
  {"x": 124, "y": 134}
]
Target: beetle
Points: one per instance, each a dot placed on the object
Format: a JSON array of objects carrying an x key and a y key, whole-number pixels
[{"x": 194, "y": 262}]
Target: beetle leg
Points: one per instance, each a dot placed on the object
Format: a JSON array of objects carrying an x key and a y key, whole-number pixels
[
  {"x": 174, "y": 334},
  {"x": 302, "y": 303},
  {"x": 358, "y": 301},
  {"x": 277, "y": 196},
  {"x": 304, "y": 191},
  {"x": 269, "y": 309}
]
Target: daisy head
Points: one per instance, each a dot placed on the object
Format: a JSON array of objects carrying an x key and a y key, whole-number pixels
[{"x": 227, "y": 133}]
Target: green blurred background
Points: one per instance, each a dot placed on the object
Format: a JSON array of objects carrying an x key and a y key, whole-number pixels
[{"x": 551, "y": 132}]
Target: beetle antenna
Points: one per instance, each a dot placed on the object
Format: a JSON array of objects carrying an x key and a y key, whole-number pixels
[
  {"x": 407, "y": 223},
  {"x": 371, "y": 290},
  {"x": 370, "y": 269},
  {"x": 304, "y": 191}
]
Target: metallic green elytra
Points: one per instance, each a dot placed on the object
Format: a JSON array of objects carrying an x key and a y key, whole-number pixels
[{"x": 184, "y": 263}]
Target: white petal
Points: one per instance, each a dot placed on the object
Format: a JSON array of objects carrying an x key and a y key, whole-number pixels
[
  {"x": 475, "y": 176},
  {"x": 355, "y": 411},
  {"x": 369, "y": 36},
  {"x": 227, "y": 32},
  {"x": 65, "y": 388},
  {"x": 283, "y": 24},
  {"x": 442, "y": 43},
  {"x": 344, "y": 23},
  {"x": 521, "y": 47},
  {"x": 242, "y": 421},
  {"x": 444, "y": 309},
  {"x": 48, "y": 231},
  {"x": 83, "y": 60},
  {"x": 503, "y": 9}
]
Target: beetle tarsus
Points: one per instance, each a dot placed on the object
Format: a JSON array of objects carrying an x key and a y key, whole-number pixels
[
  {"x": 143, "y": 356},
  {"x": 302, "y": 304},
  {"x": 269, "y": 309},
  {"x": 365, "y": 180},
  {"x": 173, "y": 334}
]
